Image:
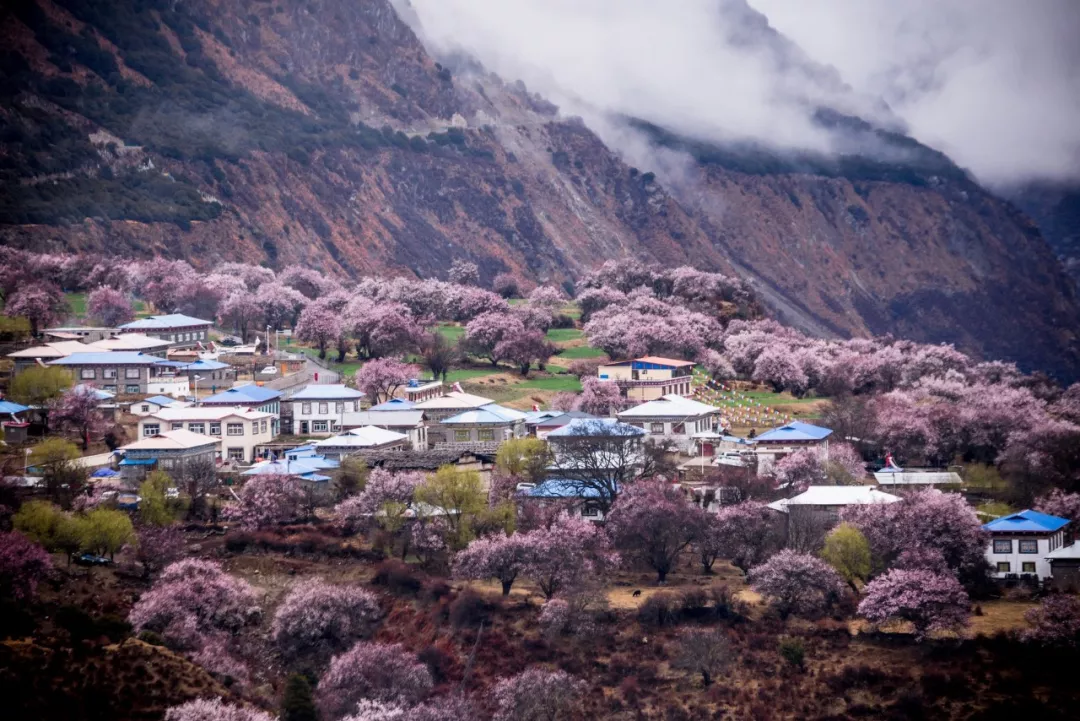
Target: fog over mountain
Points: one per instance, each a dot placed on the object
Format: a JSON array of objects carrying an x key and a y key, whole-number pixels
[{"x": 993, "y": 83}]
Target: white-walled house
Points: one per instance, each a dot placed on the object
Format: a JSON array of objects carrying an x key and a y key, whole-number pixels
[
  {"x": 319, "y": 409},
  {"x": 775, "y": 443},
  {"x": 409, "y": 422},
  {"x": 1020, "y": 543},
  {"x": 239, "y": 429},
  {"x": 673, "y": 418},
  {"x": 153, "y": 404},
  {"x": 368, "y": 438}
]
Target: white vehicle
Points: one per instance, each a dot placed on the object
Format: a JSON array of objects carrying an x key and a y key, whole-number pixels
[
  {"x": 269, "y": 370},
  {"x": 730, "y": 458}
]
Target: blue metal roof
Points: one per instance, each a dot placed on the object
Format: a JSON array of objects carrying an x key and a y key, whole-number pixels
[
  {"x": 97, "y": 393},
  {"x": 302, "y": 467},
  {"x": 159, "y": 400},
  {"x": 205, "y": 365},
  {"x": 327, "y": 392},
  {"x": 173, "y": 320},
  {"x": 108, "y": 358},
  {"x": 579, "y": 427},
  {"x": 492, "y": 414},
  {"x": 138, "y": 462},
  {"x": 394, "y": 404},
  {"x": 244, "y": 394},
  {"x": 9, "y": 407},
  {"x": 795, "y": 431},
  {"x": 104, "y": 473},
  {"x": 562, "y": 488},
  {"x": 1026, "y": 522}
]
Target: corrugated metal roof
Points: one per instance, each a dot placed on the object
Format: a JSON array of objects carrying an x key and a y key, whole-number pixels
[
  {"x": 329, "y": 392},
  {"x": 599, "y": 427},
  {"x": 171, "y": 440},
  {"x": 127, "y": 358},
  {"x": 242, "y": 395},
  {"x": 916, "y": 478},
  {"x": 1026, "y": 521},
  {"x": 394, "y": 404},
  {"x": 794, "y": 431},
  {"x": 835, "y": 496},
  {"x": 382, "y": 418},
  {"x": 671, "y": 405},
  {"x": 490, "y": 414},
  {"x": 172, "y": 320},
  {"x": 453, "y": 400}
]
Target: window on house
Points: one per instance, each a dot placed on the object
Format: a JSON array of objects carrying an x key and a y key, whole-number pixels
[
  {"x": 133, "y": 372},
  {"x": 108, "y": 373},
  {"x": 324, "y": 408},
  {"x": 348, "y": 406},
  {"x": 1027, "y": 567},
  {"x": 339, "y": 407},
  {"x": 656, "y": 428},
  {"x": 131, "y": 389},
  {"x": 1029, "y": 546},
  {"x": 1002, "y": 546},
  {"x": 111, "y": 389},
  {"x": 87, "y": 374},
  {"x": 197, "y": 427},
  {"x": 1004, "y": 567},
  {"x": 145, "y": 408},
  {"x": 236, "y": 454},
  {"x": 486, "y": 434},
  {"x": 177, "y": 426},
  {"x": 262, "y": 426},
  {"x": 305, "y": 409},
  {"x": 319, "y": 427},
  {"x": 678, "y": 428},
  {"x": 151, "y": 429},
  {"x": 590, "y": 512},
  {"x": 234, "y": 429},
  {"x": 215, "y": 429},
  {"x": 461, "y": 436}
]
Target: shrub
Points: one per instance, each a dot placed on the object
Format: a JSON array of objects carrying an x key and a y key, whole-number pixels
[
  {"x": 317, "y": 615},
  {"x": 397, "y": 577},
  {"x": 297, "y": 703},
  {"x": 693, "y": 602},
  {"x": 470, "y": 609},
  {"x": 659, "y": 609},
  {"x": 377, "y": 671},
  {"x": 792, "y": 650},
  {"x": 154, "y": 639},
  {"x": 439, "y": 662}
]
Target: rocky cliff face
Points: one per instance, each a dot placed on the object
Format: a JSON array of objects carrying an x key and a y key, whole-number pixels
[{"x": 322, "y": 133}]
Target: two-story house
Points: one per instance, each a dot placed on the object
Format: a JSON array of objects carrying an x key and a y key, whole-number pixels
[
  {"x": 259, "y": 398},
  {"x": 445, "y": 406},
  {"x": 649, "y": 378},
  {"x": 673, "y": 418},
  {"x": 320, "y": 409},
  {"x": 368, "y": 438},
  {"x": 182, "y": 331},
  {"x": 409, "y": 422},
  {"x": 168, "y": 451},
  {"x": 775, "y": 443},
  {"x": 1020, "y": 543},
  {"x": 126, "y": 372},
  {"x": 482, "y": 428},
  {"x": 239, "y": 429}
]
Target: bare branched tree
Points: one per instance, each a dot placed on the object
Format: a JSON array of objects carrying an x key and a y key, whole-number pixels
[
  {"x": 705, "y": 652},
  {"x": 596, "y": 458}
]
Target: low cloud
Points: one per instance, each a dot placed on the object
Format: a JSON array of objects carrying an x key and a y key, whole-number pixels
[{"x": 993, "y": 83}]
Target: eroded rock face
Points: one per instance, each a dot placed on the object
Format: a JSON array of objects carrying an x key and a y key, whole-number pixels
[{"x": 323, "y": 134}]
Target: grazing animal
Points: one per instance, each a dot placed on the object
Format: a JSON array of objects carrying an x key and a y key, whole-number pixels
[{"x": 637, "y": 593}]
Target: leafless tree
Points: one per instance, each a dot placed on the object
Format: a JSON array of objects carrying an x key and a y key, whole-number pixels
[
  {"x": 807, "y": 528},
  {"x": 597, "y": 458},
  {"x": 197, "y": 477},
  {"x": 707, "y": 652}
]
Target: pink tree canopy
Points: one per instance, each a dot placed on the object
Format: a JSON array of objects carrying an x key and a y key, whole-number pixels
[
  {"x": 279, "y": 305},
  {"x": 524, "y": 349},
  {"x": 214, "y": 710},
  {"x": 652, "y": 523},
  {"x": 266, "y": 500},
  {"x": 485, "y": 333},
  {"x": 797, "y": 583},
  {"x": 1061, "y": 504},
  {"x": 41, "y": 303},
  {"x": 109, "y": 306},
  {"x": 600, "y": 398},
  {"x": 241, "y": 310},
  {"x": 568, "y": 554},
  {"x": 381, "y": 378},
  {"x": 463, "y": 272},
  {"x": 1056, "y": 621},
  {"x": 929, "y": 601},
  {"x": 497, "y": 556},
  {"x": 377, "y": 671},
  {"x": 317, "y": 616},
  {"x": 23, "y": 564},
  {"x": 77, "y": 411},
  {"x": 747, "y": 533},
  {"x": 536, "y": 694},
  {"x": 320, "y": 325}
]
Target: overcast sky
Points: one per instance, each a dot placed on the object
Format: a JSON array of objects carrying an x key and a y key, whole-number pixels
[{"x": 993, "y": 83}]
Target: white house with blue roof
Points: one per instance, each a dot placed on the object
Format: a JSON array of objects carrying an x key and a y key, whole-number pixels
[
  {"x": 127, "y": 372},
  {"x": 580, "y": 500},
  {"x": 483, "y": 428},
  {"x": 1020, "y": 543},
  {"x": 775, "y": 443},
  {"x": 182, "y": 331},
  {"x": 260, "y": 398},
  {"x": 318, "y": 410}
]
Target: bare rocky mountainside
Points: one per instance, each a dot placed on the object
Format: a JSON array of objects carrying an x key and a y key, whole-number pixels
[{"x": 322, "y": 133}]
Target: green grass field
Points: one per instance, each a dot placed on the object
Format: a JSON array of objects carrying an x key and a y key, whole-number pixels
[
  {"x": 557, "y": 383},
  {"x": 77, "y": 303},
  {"x": 581, "y": 351},
  {"x": 451, "y": 333},
  {"x": 563, "y": 335}
]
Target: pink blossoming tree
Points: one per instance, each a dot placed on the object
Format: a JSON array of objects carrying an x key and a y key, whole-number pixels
[
  {"x": 797, "y": 583},
  {"x": 377, "y": 671},
  {"x": 23, "y": 564},
  {"x": 1056, "y": 621},
  {"x": 77, "y": 411},
  {"x": 381, "y": 378},
  {"x": 41, "y": 303},
  {"x": 567, "y": 555},
  {"x": 496, "y": 556},
  {"x": 929, "y": 601},
  {"x": 537, "y": 694},
  {"x": 109, "y": 306},
  {"x": 320, "y": 325},
  {"x": 266, "y": 500},
  {"x": 214, "y": 710},
  {"x": 318, "y": 617},
  {"x": 652, "y": 523}
]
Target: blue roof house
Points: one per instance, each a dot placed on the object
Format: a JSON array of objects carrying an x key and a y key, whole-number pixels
[
  {"x": 483, "y": 428},
  {"x": 1020, "y": 543},
  {"x": 260, "y": 398},
  {"x": 182, "y": 331},
  {"x": 775, "y": 443},
  {"x": 319, "y": 409},
  {"x": 579, "y": 499}
]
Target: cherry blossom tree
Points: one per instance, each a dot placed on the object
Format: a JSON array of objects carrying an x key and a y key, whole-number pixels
[
  {"x": 593, "y": 300},
  {"x": 462, "y": 272},
  {"x": 568, "y": 554},
  {"x": 534, "y": 317},
  {"x": 929, "y": 601},
  {"x": 381, "y": 378},
  {"x": 214, "y": 710},
  {"x": 563, "y": 401},
  {"x": 77, "y": 410},
  {"x": 537, "y": 694},
  {"x": 23, "y": 564},
  {"x": 266, "y": 500},
  {"x": 159, "y": 546},
  {"x": 485, "y": 333},
  {"x": 778, "y": 367},
  {"x": 252, "y": 276},
  {"x": 279, "y": 305},
  {"x": 310, "y": 283},
  {"x": 653, "y": 523},
  {"x": 383, "y": 487},
  {"x": 599, "y": 398},
  {"x": 377, "y": 671},
  {"x": 1061, "y": 504},
  {"x": 191, "y": 599},
  {"x": 506, "y": 285},
  {"x": 320, "y": 325},
  {"x": 1056, "y": 621},
  {"x": 464, "y": 303},
  {"x": 159, "y": 281},
  {"x": 381, "y": 328},
  {"x": 316, "y": 617},
  {"x": 748, "y": 533},
  {"x": 41, "y": 303},
  {"x": 524, "y": 349},
  {"x": 1067, "y": 408},
  {"x": 369, "y": 710},
  {"x": 109, "y": 306},
  {"x": 716, "y": 365},
  {"x": 545, "y": 296},
  {"x": 797, "y": 583},
  {"x": 497, "y": 556},
  {"x": 942, "y": 522},
  {"x": 241, "y": 310},
  {"x": 845, "y": 466},
  {"x": 1046, "y": 456},
  {"x": 710, "y": 543},
  {"x": 796, "y": 471}
]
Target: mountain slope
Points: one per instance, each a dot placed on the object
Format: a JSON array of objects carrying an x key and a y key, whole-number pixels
[{"x": 322, "y": 133}]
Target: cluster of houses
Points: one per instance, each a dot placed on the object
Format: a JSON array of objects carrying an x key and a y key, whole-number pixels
[{"x": 308, "y": 430}]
